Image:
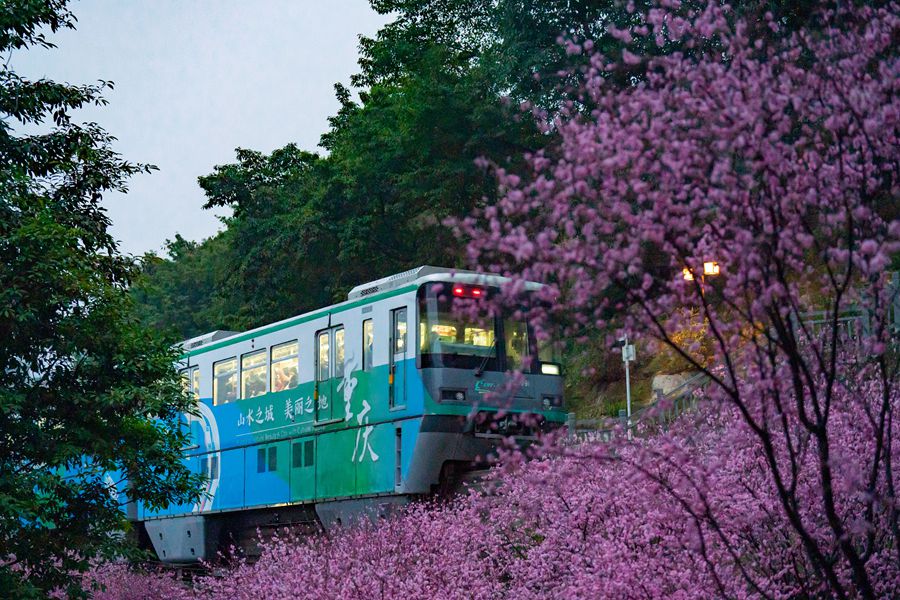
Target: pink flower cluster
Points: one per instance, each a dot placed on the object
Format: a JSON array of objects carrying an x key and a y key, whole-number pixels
[
  {"x": 687, "y": 513},
  {"x": 119, "y": 581},
  {"x": 773, "y": 155}
]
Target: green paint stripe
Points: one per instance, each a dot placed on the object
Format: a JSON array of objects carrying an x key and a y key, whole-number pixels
[{"x": 253, "y": 333}]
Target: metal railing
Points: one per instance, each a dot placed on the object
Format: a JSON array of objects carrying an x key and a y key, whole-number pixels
[{"x": 855, "y": 321}]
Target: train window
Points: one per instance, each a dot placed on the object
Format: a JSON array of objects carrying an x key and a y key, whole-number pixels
[
  {"x": 448, "y": 339},
  {"x": 190, "y": 381},
  {"x": 297, "y": 455},
  {"x": 302, "y": 454},
  {"x": 368, "y": 344},
  {"x": 339, "y": 352},
  {"x": 273, "y": 458},
  {"x": 548, "y": 352},
  {"x": 261, "y": 460},
  {"x": 323, "y": 356},
  {"x": 225, "y": 381},
  {"x": 253, "y": 374},
  {"x": 398, "y": 318},
  {"x": 195, "y": 382},
  {"x": 478, "y": 336},
  {"x": 308, "y": 453},
  {"x": 463, "y": 337},
  {"x": 516, "y": 333},
  {"x": 284, "y": 366}
]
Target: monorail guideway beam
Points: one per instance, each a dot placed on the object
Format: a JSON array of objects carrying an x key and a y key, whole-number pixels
[{"x": 184, "y": 539}]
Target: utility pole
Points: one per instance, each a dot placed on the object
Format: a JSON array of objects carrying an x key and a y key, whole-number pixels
[{"x": 628, "y": 355}]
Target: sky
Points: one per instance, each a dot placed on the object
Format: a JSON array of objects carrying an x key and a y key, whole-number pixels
[{"x": 193, "y": 81}]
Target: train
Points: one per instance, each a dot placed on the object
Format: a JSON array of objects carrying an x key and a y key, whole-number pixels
[{"x": 351, "y": 410}]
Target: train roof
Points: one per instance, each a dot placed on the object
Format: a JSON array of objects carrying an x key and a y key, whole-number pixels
[
  {"x": 207, "y": 338},
  {"x": 400, "y": 279},
  {"x": 412, "y": 277}
]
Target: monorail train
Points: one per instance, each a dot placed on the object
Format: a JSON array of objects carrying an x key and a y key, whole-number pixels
[{"x": 352, "y": 409}]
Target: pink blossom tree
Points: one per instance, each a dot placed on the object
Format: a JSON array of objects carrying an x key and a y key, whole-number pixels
[
  {"x": 689, "y": 513},
  {"x": 776, "y": 155}
]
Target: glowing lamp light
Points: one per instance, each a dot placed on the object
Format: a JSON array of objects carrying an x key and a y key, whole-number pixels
[
  {"x": 711, "y": 268},
  {"x": 458, "y": 290},
  {"x": 549, "y": 369},
  {"x": 444, "y": 331}
]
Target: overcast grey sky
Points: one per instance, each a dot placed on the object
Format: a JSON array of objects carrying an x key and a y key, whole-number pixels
[{"x": 196, "y": 79}]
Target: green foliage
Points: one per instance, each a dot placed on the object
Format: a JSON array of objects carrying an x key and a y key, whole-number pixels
[
  {"x": 399, "y": 161},
  {"x": 507, "y": 41},
  {"x": 165, "y": 287},
  {"x": 403, "y": 160},
  {"x": 85, "y": 391}
]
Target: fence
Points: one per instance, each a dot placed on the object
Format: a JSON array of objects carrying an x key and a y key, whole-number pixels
[{"x": 855, "y": 321}]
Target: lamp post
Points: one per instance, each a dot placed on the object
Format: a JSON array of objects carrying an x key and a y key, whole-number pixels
[{"x": 628, "y": 355}]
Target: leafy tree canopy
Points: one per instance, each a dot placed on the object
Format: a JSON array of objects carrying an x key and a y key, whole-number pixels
[
  {"x": 399, "y": 161},
  {"x": 88, "y": 396},
  {"x": 438, "y": 88}
]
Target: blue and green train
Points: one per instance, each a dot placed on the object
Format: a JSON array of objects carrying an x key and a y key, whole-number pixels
[{"x": 352, "y": 409}]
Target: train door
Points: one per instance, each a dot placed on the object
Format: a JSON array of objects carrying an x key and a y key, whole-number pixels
[
  {"x": 397, "y": 358},
  {"x": 329, "y": 372},
  {"x": 303, "y": 469}
]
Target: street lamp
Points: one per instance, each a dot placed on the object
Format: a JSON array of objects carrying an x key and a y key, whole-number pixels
[
  {"x": 710, "y": 269},
  {"x": 628, "y": 355}
]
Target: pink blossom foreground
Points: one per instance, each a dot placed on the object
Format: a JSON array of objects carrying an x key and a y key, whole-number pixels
[{"x": 690, "y": 513}]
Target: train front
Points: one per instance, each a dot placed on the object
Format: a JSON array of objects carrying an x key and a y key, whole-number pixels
[{"x": 465, "y": 365}]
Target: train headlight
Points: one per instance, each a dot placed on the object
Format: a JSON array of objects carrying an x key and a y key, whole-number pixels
[
  {"x": 453, "y": 395},
  {"x": 549, "y": 368}
]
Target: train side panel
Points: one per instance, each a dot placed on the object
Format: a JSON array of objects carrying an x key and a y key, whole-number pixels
[{"x": 272, "y": 450}]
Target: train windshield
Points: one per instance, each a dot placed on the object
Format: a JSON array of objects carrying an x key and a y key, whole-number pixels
[{"x": 447, "y": 339}]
